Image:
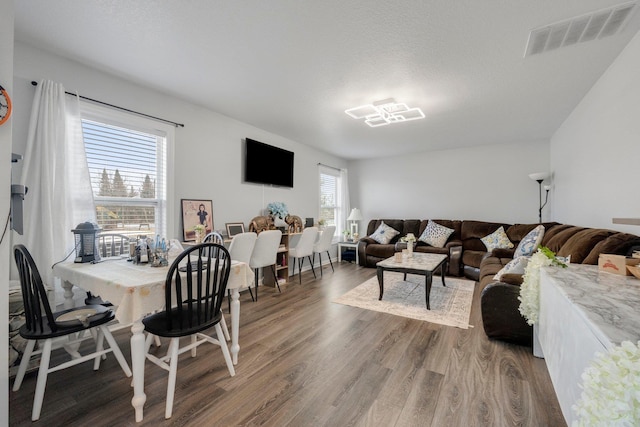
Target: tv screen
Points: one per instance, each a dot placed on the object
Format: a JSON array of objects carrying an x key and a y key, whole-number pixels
[{"x": 266, "y": 164}]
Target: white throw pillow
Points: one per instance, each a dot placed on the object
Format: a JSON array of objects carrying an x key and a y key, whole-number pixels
[
  {"x": 435, "y": 234},
  {"x": 515, "y": 266},
  {"x": 497, "y": 240},
  {"x": 530, "y": 242},
  {"x": 384, "y": 234}
]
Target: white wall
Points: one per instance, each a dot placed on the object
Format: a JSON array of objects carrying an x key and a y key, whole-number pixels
[
  {"x": 595, "y": 154},
  {"x": 487, "y": 183},
  {"x": 208, "y": 150},
  {"x": 6, "y": 80}
]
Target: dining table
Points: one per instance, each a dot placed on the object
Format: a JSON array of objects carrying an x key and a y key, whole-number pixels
[{"x": 137, "y": 290}]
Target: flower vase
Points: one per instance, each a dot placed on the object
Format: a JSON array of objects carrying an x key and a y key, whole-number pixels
[
  {"x": 410, "y": 249},
  {"x": 199, "y": 236}
]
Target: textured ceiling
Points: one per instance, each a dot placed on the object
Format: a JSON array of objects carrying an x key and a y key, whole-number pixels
[{"x": 292, "y": 67}]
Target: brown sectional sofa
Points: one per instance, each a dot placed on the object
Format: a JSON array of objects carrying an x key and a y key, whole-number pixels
[
  {"x": 499, "y": 299},
  {"x": 370, "y": 251},
  {"x": 468, "y": 256}
]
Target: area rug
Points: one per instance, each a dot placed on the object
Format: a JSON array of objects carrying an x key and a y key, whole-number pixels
[{"x": 450, "y": 305}]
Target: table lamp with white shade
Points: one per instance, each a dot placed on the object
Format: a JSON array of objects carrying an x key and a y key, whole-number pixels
[{"x": 354, "y": 217}]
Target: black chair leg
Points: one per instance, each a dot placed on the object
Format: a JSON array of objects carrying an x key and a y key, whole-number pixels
[
  {"x": 273, "y": 270},
  {"x": 312, "y": 269},
  {"x": 255, "y": 280},
  {"x": 300, "y": 263},
  {"x": 320, "y": 257},
  {"x": 329, "y": 256}
]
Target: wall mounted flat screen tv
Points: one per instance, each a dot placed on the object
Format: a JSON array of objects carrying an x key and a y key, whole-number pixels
[{"x": 266, "y": 164}]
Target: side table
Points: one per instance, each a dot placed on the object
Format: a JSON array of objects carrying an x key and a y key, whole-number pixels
[{"x": 347, "y": 245}]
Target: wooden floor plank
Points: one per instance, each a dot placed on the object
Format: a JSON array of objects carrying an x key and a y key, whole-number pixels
[{"x": 306, "y": 361}]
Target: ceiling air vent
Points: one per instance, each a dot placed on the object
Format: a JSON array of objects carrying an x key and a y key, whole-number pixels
[{"x": 595, "y": 25}]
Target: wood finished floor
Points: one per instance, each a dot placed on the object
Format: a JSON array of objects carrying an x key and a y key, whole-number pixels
[{"x": 305, "y": 361}]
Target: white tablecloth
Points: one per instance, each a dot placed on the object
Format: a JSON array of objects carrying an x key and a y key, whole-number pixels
[{"x": 136, "y": 289}]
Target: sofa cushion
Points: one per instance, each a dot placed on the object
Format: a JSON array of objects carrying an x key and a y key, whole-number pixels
[
  {"x": 560, "y": 237},
  {"x": 581, "y": 243},
  {"x": 530, "y": 242},
  {"x": 497, "y": 239},
  {"x": 472, "y": 231},
  {"x": 619, "y": 244},
  {"x": 381, "y": 251},
  {"x": 384, "y": 234},
  {"x": 435, "y": 234},
  {"x": 426, "y": 249},
  {"x": 515, "y": 266}
]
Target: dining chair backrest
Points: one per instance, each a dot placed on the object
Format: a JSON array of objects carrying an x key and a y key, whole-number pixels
[
  {"x": 113, "y": 244},
  {"x": 307, "y": 240},
  {"x": 324, "y": 243},
  {"x": 196, "y": 303},
  {"x": 241, "y": 246},
  {"x": 213, "y": 237},
  {"x": 265, "y": 251},
  {"x": 34, "y": 295}
]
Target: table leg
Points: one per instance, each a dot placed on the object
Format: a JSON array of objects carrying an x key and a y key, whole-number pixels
[
  {"x": 427, "y": 288},
  {"x": 339, "y": 253},
  {"x": 137, "y": 364},
  {"x": 380, "y": 273},
  {"x": 443, "y": 268},
  {"x": 68, "y": 295},
  {"x": 235, "y": 324}
]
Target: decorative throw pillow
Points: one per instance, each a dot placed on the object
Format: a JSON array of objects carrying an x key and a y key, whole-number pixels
[
  {"x": 384, "y": 234},
  {"x": 435, "y": 234},
  {"x": 530, "y": 242},
  {"x": 497, "y": 240},
  {"x": 515, "y": 266}
]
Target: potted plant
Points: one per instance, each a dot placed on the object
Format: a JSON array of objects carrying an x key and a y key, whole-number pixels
[
  {"x": 321, "y": 224},
  {"x": 199, "y": 230},
  {"x": 346, "y": 234}
]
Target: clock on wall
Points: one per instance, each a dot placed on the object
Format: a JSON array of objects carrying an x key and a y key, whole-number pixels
[{"x": 5, "y": 106}]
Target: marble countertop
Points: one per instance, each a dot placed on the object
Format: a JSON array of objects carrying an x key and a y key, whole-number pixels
[{"x": 610, "y": 302}]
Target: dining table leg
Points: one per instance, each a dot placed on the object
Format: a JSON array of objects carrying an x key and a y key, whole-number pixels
[
  {"x": 137, "y": 365},
  {"x": 235, "y": 324},
  {"x": 68, "y": 294}
]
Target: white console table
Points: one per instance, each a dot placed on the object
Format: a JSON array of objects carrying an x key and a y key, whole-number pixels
[{"x": 583, "y": 311}]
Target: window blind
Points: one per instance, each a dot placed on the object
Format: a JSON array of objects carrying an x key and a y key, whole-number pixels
[
  {"x": 128, "y": 175},
  {"x": 329, "y": 201}
]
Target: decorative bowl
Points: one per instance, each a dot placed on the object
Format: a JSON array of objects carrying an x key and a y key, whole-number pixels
[{"x": 635, "y": 270}]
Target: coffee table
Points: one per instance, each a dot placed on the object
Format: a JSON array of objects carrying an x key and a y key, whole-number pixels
[{"x": 418, "y": 263}]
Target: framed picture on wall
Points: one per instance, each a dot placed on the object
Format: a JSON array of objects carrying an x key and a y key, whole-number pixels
[
  {"x": 195, "y": 212},
  {"x": 234, "y": 228}
]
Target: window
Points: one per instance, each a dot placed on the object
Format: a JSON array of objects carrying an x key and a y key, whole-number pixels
[
  {"x": 330, "y": 198},
  {"x": 127, "y": 159}
]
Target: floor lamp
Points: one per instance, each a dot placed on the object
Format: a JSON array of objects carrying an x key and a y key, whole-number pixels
[
  {"x": 539, "y": 177},
  {"x": 354, "y": 217}
]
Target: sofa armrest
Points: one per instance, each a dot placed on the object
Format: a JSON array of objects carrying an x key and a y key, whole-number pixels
[
  {"x": 362, "y": 249},
  {"x": 501, "y": 317},
  {"x": 455, "y": 260}
]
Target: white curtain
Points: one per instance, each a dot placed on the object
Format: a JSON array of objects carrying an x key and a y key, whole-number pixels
[
  {"x": 344, "y": 202},
  {"x": 56, "y": 173}
]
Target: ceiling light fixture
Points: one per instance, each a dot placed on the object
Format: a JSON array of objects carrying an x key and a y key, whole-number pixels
[{"x": 385, "y": 112}]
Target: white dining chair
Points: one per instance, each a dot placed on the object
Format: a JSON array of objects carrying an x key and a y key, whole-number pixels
[
  {"x": 241, "y": 248},
  {"x": 304, "y": 248},
  {"x": 323, "y": 245},
  {"x": 265, "y": 254}
]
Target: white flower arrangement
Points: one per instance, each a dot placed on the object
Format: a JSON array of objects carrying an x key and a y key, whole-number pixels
[
  {"x": 611, "y": 389},
  {"x": 410, "y": 237},
  {"x": 199, "y": 228},
  {"x": 530, "y": 289},
  {"x": 278, "y": 209}
]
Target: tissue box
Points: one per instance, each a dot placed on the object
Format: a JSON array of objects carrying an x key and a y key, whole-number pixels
[{"x": 616, "y": 264}]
